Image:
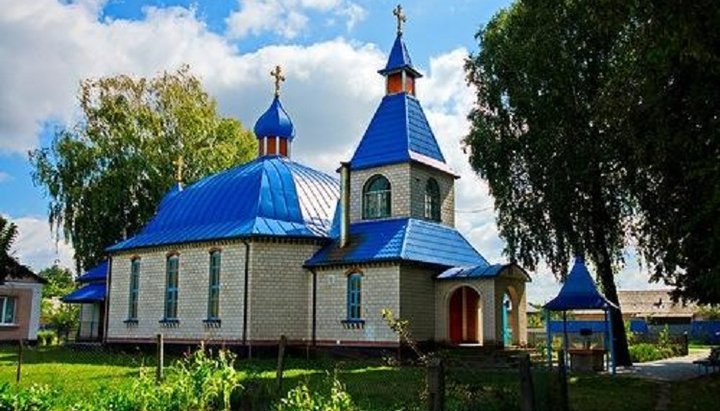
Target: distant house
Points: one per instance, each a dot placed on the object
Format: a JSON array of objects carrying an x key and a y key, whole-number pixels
[
  {"x": 91, "y": 297},
  {"x": 654, "y": 307},
  {"x": 20, "y": 297}
]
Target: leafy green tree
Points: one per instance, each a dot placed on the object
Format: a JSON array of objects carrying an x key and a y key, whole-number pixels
[
  {"x": 552, "y": 169},
  {"x": 662, "y": 95},
  {"x": 8, "y": 234},
  {"x": 106, "y": 174},
  {"x": 59, "y": 281}
]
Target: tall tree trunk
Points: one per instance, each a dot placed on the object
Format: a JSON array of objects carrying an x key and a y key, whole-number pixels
[{"x": 607, "y": 279}]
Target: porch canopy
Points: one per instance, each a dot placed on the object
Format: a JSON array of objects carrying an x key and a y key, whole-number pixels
[
  {"x": 579, "y": 293},
  {"x": 91, "y": 293}
]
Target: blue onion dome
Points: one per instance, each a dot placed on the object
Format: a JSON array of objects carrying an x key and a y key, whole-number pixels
[{"x": 275, "y": 122}]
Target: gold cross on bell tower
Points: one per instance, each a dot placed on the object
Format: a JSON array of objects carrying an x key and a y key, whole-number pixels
[
  {"x": 277, "y": 73},
  {"x": 179, "y": 165},
  {"x": 398, "y": 13}
]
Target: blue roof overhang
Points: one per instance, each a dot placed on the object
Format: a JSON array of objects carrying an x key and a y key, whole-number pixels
[
  {"x": 480, "y": 271},
  {"x": 97, "y": 273},
  {"x": 91, "y": 293},
  {"x": 399, "y": 240}
]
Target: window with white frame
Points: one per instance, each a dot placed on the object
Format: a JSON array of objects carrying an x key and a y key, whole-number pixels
[{"x": 7, "y": 310}]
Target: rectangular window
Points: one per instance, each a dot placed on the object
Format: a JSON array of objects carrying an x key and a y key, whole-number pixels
[
  {"x": 134, "y": 288},
  {"x": 171, "y": 287},
  {"x": 7, "y": 310},
  {"x": 214, "y": 288},
  {"x": 354, "y": 296}
]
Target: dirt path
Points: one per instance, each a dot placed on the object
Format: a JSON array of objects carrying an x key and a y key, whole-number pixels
[{"x": 669, "y": 369}]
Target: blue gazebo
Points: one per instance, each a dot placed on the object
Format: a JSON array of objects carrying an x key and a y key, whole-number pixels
[{"x": 579, "y": 293}]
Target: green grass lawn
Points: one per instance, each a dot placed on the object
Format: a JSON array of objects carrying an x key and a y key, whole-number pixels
[
  {"x": 373, "y": 386},
  {"x": 696, "y": 394}
]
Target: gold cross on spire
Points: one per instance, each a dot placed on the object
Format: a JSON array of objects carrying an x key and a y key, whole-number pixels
[
  {"x": 179, "y": 165},
  {"x": 277, "y": 73},
  {"x": 398, "y": 13}
]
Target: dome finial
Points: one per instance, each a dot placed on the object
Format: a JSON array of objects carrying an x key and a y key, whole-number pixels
[
  {"x": 277, "y": 73},
  {"x": 398, "y": 13}
]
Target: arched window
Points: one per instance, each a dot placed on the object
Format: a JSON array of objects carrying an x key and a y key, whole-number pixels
[
  {"x": 376, "y": 197},
  {"x": 172, "y": 267},
  {"x": 432, "y": 200},
  {"x": 134, "y": 289},
  {"x": 354, "y": 296},
  {"x": 214, "y": 288}
]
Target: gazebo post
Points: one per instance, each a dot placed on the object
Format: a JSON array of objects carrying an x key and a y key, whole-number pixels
[
  {"x": 549, "y": 338},
  {"x": 612, "y": 342},
  {"x": 566, "y": 344},
  {"x": 607, "y": 340}
]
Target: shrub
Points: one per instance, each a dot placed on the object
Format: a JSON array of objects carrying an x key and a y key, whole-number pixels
[
  {"x": 301, "y": 398},
  {"x": 644, "y": 352},
  {"x": 47, "y": 337},
  {"x": 35, "y": 398}
]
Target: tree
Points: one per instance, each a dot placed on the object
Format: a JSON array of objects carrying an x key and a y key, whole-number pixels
[
  {"x": 662, "y": 95},
  {"x": 8, "y": 234},
  {"x": 107, "y": 173},
  {"x": 552, "y": 168},
  {"x": 59, "y": 281}
]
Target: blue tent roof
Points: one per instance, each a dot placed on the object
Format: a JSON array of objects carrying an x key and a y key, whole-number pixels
[
  {"x": 578, "y": 291},
  {"x": 270, "y": 196},
  {"x": 97, "y": 273},
  {"x": 398, "y": 132},
  {"x": 401, "y": 239},
  {"x": 399, "y": 59},
  {"x": 90, "y": 293},
  {"x": 275, "y": 122}
]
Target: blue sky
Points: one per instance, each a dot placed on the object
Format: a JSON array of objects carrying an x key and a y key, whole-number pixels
[{"x": 329, "y": 49}]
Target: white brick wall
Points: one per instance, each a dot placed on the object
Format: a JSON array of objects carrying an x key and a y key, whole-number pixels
[
  {"x": 279, "y": 291},
  {"x": 399, "y": 177},
  {"x": 419, "y": 176},
  {"x": 193, "y": 282},
  {"x": 417, "y": 301},
  {"x": 380, "y": 290}
]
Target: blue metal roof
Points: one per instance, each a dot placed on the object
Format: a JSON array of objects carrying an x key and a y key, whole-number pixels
[
  {"x": 90, "y": 293},
  {"x": 401, "y": 239},
  {"x": 398, "y": 129},
  {"x": 275, "y": 122},
  {"x": 399, "y": 59},
  {"x": 478, "y": 271},
  {"x": 97, "y": 273},
  {"x": 578, "y": 291},
  {"x": 270, "y": 196}
]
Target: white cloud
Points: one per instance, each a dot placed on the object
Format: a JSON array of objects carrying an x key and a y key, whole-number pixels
[
  {"x": 286, "y": 18},
  {"x": 5, "y": 177},
  {"x": 36, "y": 246}
]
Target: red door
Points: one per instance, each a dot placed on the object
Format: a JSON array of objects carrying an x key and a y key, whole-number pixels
[
  {"x": 456, "y": 317},
  {"x": 471, "y": 310}
]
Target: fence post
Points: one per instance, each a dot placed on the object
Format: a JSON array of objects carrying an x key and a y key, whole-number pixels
[
  {"x": 564, "y": 400},
  {"x": 20, "y": 360},
  {"x": 281, "y": 362},
  {"x": 527, "y": 392},
  {"x": 436, "y": 385},
  {"x": 686, "y": 344},
  {"x": 160, "y": 358}
]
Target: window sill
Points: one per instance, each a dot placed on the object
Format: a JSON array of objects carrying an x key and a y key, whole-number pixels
[
  {"x": 9, "y": 325},
  {"x": 353, "y": 324},
  {"x": 169, "y": 322},
  {"x": 131, "y": 322},
  {"x": 212, "y": 322}
]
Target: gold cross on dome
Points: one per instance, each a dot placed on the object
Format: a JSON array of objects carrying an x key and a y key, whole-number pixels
[
  {"x": 277, "y": 73},
  {"x": 398, "y": 13},
  {"x": 179, "y": 165}
]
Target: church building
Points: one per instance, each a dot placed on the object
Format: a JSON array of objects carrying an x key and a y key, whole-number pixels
[{"x": 274, "y": 247}]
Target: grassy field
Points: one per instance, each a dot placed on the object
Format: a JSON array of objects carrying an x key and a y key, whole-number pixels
[{"x": 373, "y": 386}]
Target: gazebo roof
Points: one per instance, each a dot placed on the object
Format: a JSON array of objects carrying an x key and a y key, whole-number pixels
[{"x": 578, "y": 291}]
